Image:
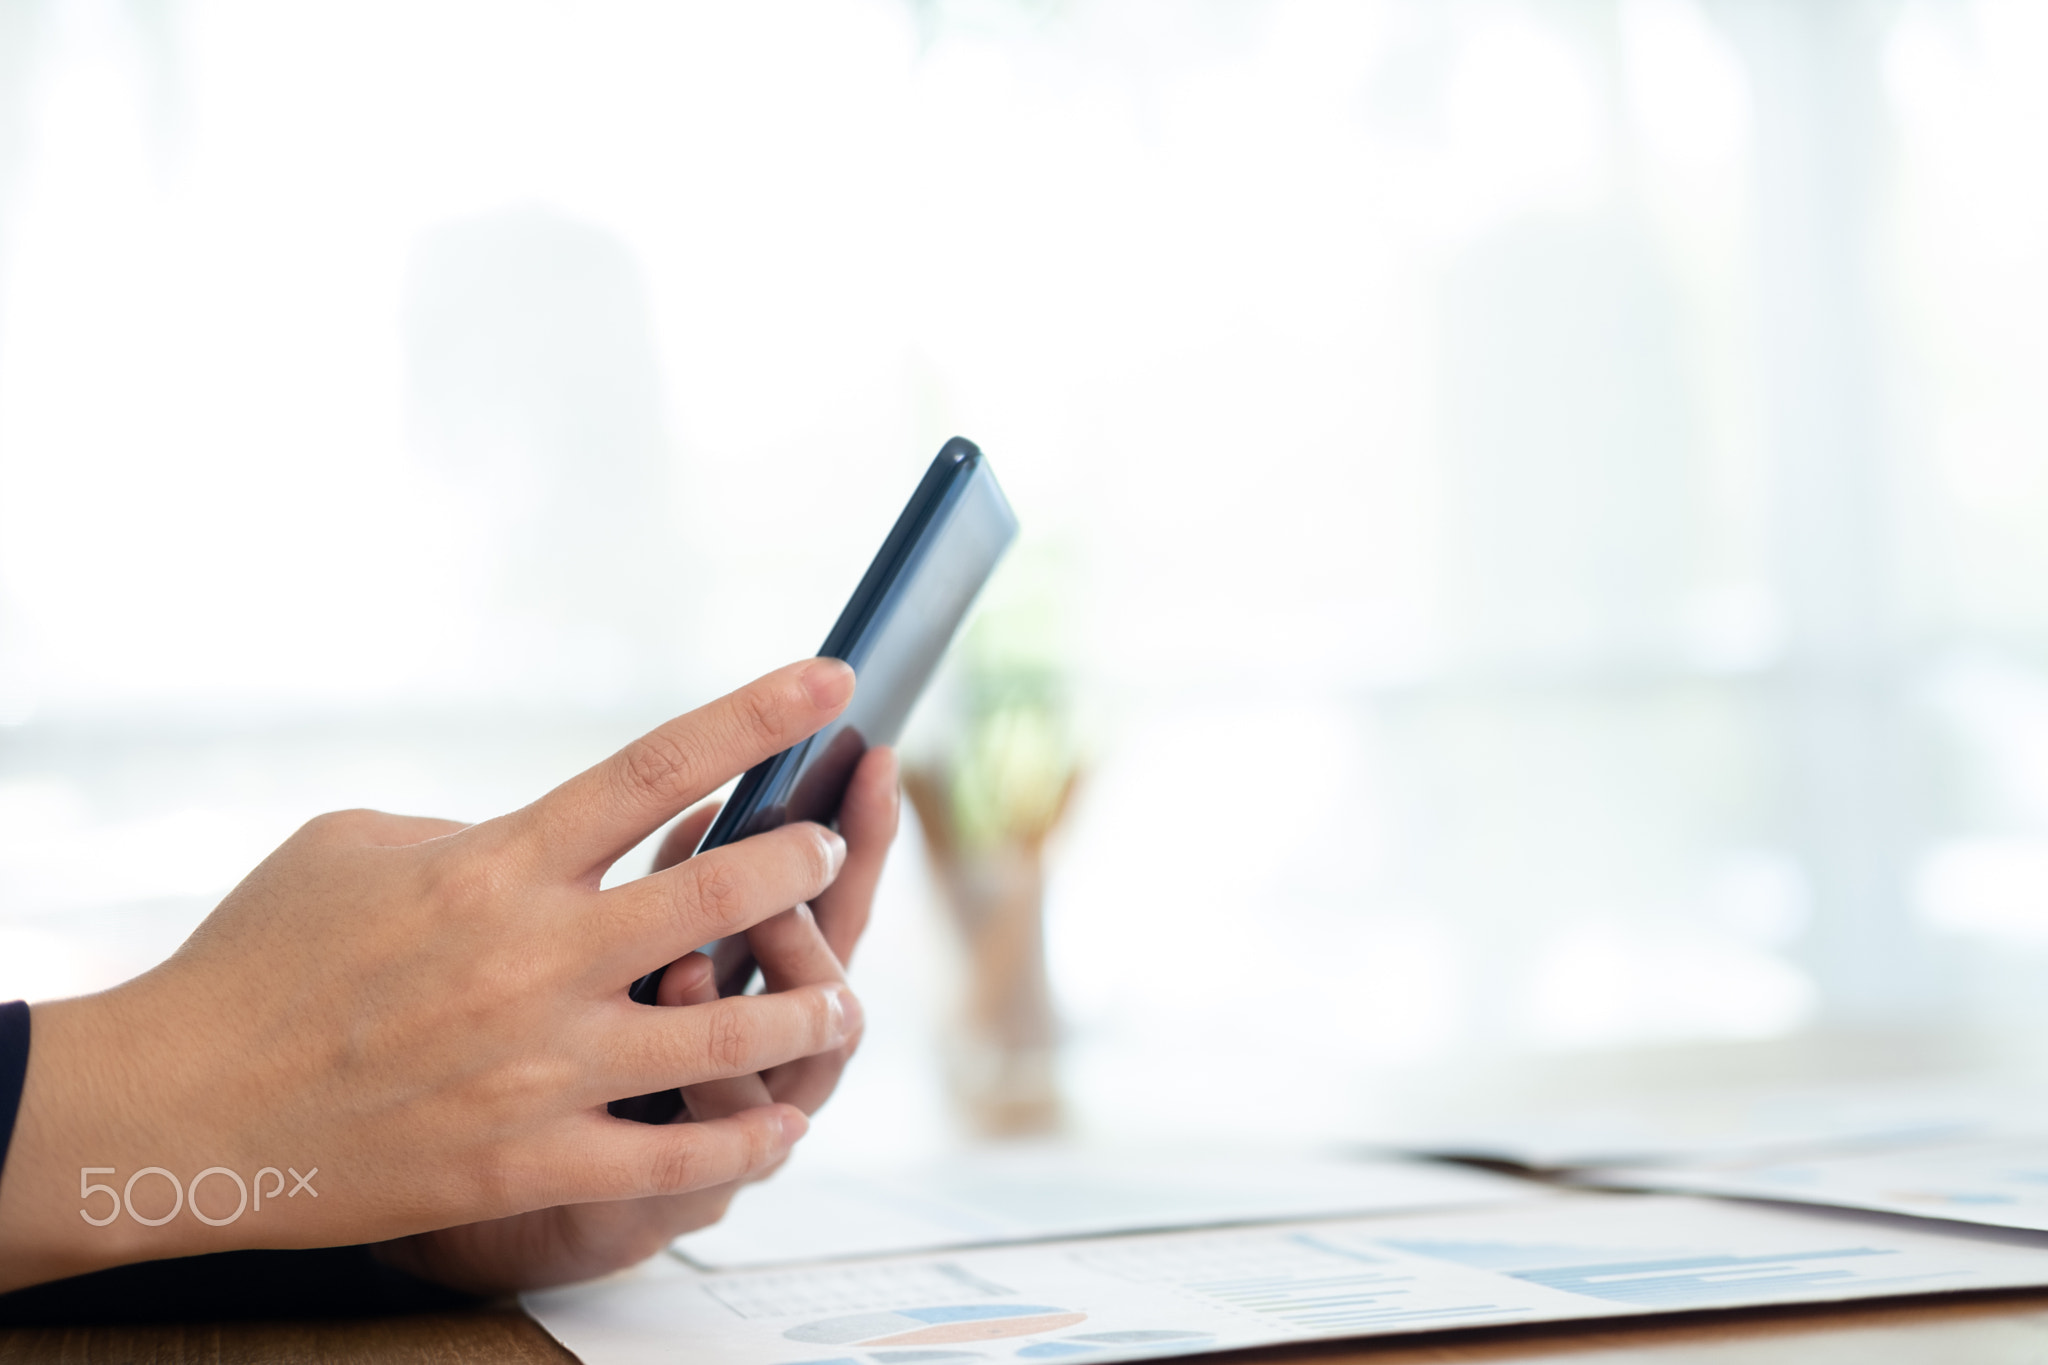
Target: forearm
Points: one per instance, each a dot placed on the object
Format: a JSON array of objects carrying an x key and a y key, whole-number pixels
[{"x": 105, "y": 1099}]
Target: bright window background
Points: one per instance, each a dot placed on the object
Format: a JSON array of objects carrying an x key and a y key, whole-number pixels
[{"x": 1549, "y": 501}]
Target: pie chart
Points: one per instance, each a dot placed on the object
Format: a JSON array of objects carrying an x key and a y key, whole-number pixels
[{"x": 942, "y": 1325}]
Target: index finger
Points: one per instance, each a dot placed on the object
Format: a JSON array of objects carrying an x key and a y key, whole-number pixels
[{"x": 587, "y": 823}]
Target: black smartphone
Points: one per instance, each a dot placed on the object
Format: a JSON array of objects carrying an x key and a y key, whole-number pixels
[{"x": 893, "y": 631}]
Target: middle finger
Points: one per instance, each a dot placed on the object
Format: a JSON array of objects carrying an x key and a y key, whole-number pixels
[{"x": 653, "y": 921}]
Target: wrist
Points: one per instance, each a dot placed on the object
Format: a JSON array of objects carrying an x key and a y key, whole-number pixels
[{"x": 105, "y": 1128}]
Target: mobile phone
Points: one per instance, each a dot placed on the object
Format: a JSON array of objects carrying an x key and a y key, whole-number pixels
[{"x": 893, "y": 631}]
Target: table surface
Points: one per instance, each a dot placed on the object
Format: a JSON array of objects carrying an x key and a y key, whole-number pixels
[{"x": 1985, "y": 1329}]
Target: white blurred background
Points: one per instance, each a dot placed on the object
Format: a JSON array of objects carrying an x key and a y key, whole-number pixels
[{"x": 1546, "y": 501}]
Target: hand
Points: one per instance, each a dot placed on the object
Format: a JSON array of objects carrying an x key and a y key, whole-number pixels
[
  {"x": 426, "y": 1020},
  {"x": 795, "y": 949}
]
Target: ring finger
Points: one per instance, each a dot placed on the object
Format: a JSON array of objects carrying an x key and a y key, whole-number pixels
[{"x": 691, "y": 981}]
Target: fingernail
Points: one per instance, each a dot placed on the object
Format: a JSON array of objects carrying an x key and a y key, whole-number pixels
[
  {"x": 835, "y": 851},
  {"x": 794, "y": 1126},
  {"x": 829, "y": 681},
  {"x": 845, "y": 1011},
  {"x": 895, "y": 781}
]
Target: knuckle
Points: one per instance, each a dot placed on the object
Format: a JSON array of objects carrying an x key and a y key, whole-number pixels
[
  {"x": 720, "y": 892},
  {"x": 498, "y": 1098},
  {"x": 464, "y": 886},
  {"x": 758, "y": 717},
  {"x": 658, "y": 763},
  {"x": 677, "y": 1166},
  {"x": 726, "y": 1040},
  {"x": 500, "y": 981}
]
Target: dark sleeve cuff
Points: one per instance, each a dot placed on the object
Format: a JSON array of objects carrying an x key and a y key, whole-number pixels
[
  {"x": 329, "y": 1282},
  {"x": 13, "y": 1069}
]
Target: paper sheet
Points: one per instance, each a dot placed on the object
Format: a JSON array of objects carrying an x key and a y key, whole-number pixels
[
  {"x": 1038, "y": 1192},
  {"x": 1737, "y": 1123},
  {"x": 1162, "y": 1294},
  {"x": 2002, "y": 1182}
]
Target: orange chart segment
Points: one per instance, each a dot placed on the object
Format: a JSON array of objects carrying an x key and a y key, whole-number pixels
[
  {"x": 947, "y": 1332},
  {"x": 938, "y": 1324}
]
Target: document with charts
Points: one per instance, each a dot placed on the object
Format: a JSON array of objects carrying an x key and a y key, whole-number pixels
[
  {"x": 2002, "y": 1182},
  {"x": 1039, "y": 1192},
  {"x": 1178, "y": 1293}
]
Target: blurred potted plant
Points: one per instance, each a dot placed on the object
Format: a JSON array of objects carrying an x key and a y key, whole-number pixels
[{"x": 991, "y": 783}]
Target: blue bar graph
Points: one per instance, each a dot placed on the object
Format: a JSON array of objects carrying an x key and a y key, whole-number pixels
[{"x": 1670, "y": 1280}]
